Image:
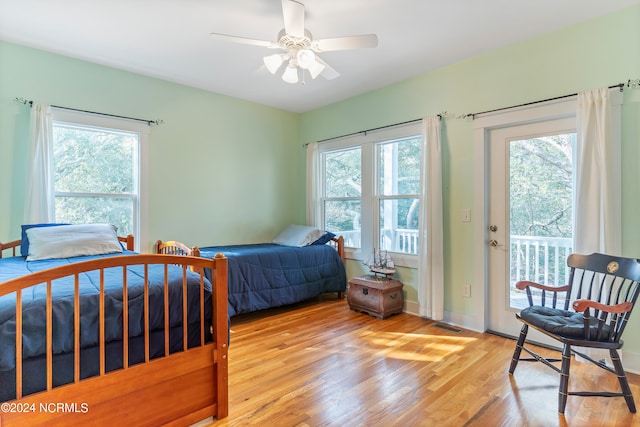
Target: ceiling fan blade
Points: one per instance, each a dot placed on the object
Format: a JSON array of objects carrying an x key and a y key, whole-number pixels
[
  {"x": 293, "y": 13},
  {"x": 345, "y": 43},
  {"x": 244, "y": 40},
  {"x": 328, "y": 72}
]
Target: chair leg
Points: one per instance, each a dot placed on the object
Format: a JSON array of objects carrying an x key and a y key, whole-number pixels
[
  {"x": 563, "y": 392},
  {"x": 622, "y": 378},
  {"x": 518, "y": 350}
]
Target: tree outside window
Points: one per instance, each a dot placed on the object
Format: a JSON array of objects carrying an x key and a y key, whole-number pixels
[{"x": 96, "y": 176}]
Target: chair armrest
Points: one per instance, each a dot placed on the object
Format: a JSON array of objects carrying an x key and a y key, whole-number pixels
[
  {"x": 581, "y": 305},
  {"x": 524, "y": 284},
  {"x": 610, "y": 319},
  {"x": 527, "y": 286}
]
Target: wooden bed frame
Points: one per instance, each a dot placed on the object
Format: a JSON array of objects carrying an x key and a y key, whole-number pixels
[
  {"x": 338, "y": 243},
  {"x": 178, "y": 389}
]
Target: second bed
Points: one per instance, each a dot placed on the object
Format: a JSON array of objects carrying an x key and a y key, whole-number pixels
[{"x": 268, "y": 275}]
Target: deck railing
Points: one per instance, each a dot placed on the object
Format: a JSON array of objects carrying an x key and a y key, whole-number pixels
[
  {"x": 535, "y": 258},
  {"x": 404, "y": 241},
  {"x": 540, "y": 259}
]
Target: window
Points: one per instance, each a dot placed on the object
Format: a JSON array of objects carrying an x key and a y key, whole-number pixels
[
  {"x": 370, "y": 192},
  {"x": 398, "y": 165},
  {"x": 96, "y": 170},
  {"x": 343, "y": 192}
]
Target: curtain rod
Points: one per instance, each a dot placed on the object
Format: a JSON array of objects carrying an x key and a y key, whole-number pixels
[
  {"x": 473, "y": 115},
  {"x": 148, "y": 122},
  {"x": 440, "y": 116}
]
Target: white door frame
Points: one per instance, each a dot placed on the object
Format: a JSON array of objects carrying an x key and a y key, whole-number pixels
[{"x": 482, "y": 124}]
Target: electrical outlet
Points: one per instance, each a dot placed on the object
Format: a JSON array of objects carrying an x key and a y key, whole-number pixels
[
  {"x": 466, "y": 291},
  {"x": 466, "y": 215}
]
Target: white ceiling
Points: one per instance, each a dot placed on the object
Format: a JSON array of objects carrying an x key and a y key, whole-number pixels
[{"x": 169, "y": 39}]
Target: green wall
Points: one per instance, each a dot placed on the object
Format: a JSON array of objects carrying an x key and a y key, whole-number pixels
[
  {"x": 220, "y": 168},
  {"x": 598, "y": 53},
  {"x": 223, "y": 170}
]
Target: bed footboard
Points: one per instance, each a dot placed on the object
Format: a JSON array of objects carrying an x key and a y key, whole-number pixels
[{"x": 180, "y": 386}]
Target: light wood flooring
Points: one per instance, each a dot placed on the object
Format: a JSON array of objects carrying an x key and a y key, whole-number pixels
[{"x": 321, "y": 364}]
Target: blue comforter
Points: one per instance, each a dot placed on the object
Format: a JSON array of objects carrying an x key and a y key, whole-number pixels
[
  {"x": 34, "y": 343},
  {"x": 267, "y": 275}
]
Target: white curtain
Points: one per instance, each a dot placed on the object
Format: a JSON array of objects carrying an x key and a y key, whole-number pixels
[
  {"x": 598, "y": 180},
  {"x": 39, "y": 205},
  {"x": 431, "y": 263},
  {"x": 313, "y": 184},
  {"x": 598, "y": 223}
]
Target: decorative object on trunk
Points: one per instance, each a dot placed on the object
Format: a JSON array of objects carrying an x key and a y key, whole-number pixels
[{"x": 381, "y": 263}]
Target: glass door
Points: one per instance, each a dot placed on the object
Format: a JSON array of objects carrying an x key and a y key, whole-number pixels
[{"x": 530, "y": 214}]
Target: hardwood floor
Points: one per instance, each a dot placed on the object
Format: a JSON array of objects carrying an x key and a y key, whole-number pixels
[{"x": 321, "y": 364}]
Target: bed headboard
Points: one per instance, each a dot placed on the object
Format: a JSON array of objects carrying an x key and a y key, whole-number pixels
[
  {"x": 173, "y": 247},
  {"x": 128, "y": 241},
  {"x": 10, "y": 248},
  {"x": 338, "y": 243}
]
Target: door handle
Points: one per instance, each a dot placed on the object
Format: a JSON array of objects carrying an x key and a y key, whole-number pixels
[{"x": 493, "y": 242}]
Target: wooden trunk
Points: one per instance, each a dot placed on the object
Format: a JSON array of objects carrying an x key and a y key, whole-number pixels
[{"x": 378, "y": 296}]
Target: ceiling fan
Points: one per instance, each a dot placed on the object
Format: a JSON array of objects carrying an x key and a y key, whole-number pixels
[{"x": 300, "y": 48}]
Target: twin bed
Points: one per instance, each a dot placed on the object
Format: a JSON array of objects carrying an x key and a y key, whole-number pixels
[
  {"x": 73, "y": 352},
  {"x": 268, "y": 275},
  {"x": 302, "y": 262},
  {"x": 68, "y": 338}
]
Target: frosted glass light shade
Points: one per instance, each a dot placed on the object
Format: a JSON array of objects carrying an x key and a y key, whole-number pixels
[
  {"x": 290, "y": 74},
  {"x": 306, "y": 58},
  {"x": 273, "y": 62}
]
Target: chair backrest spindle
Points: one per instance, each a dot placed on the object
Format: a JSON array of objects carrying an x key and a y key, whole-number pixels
[{"x": 609, "y": 281}]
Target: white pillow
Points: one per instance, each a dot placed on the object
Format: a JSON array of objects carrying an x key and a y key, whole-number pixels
[
  {"x": 65, "y": 241},
  {"x": 298, "y": 235}
]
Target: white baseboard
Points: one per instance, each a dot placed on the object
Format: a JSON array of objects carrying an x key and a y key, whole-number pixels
[
  {"x": 461, "y": 321},
  {"x": 631, "y": 362},
  {"x": 453, "y": 319},
  {"x": 411, "y": 307}
]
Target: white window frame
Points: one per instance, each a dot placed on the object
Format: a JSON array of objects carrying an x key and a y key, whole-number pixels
[
  {"x": 109, "y": 123},
  {"x": 370, "y": 197}
]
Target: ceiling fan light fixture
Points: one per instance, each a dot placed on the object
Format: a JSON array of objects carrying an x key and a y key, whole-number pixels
[
  {"x": 306, "y": 58},
  {"x": 273, "y": 62},
  {"x": 290, "y": 74}
]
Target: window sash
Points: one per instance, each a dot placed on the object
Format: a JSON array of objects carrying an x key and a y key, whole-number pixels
[{"x": 370, "y": 198}]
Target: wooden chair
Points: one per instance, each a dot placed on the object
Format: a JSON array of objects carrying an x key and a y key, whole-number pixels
[{"x": 602, "y": 291}]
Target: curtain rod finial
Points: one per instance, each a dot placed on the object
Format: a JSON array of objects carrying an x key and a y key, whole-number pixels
[{"x": 24, "y": 101}]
